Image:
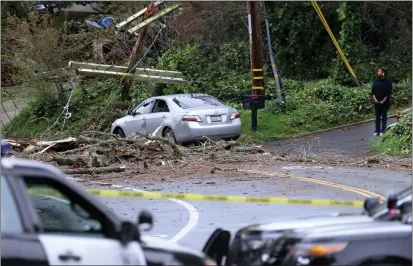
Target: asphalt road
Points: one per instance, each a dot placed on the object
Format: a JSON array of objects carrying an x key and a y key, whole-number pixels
[
  {"x": 350, "y": 141},
  {"x": 190, "y": 223},
  {"x": 8, "y": 110}
]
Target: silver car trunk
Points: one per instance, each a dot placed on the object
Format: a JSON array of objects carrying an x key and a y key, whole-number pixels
[{"x": 212, "y": 115}]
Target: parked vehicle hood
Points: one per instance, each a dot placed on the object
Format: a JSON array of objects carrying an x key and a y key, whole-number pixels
[{"x": 161, "y": 244}]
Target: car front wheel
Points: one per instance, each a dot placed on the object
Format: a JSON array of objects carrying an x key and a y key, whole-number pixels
[{"x": 118, "y": 131}]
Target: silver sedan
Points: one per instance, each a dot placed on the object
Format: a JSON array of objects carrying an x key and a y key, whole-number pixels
[{"x": 181, "y": 118}]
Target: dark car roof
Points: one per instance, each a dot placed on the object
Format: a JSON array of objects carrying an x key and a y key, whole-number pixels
[
  {"x": 306, "y": 222},
  {"x": 374, "y": 229}
]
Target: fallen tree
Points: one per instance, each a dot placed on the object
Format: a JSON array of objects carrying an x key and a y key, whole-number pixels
[{"x": 96, "y": 152}]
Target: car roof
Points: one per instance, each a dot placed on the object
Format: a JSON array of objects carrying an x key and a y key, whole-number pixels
[
  {"x": 373, "y": 228},
  {"x": 306, "y": 221},
  {"x": 172, "y": 96},
  {"x": 12, "y": 162}
]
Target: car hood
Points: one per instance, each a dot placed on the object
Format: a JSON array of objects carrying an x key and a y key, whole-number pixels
[
  {"x": 165, "y": 245},
  {"x": 292, "y": 223}
]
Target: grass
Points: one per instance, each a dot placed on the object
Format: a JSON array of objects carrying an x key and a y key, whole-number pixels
[
  {"x": 276, "y": 126},
  {"x": 393, "y": 146}
]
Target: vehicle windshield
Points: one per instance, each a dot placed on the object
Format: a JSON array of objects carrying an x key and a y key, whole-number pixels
[
  {"x": 406, "y": 192},
  {"x": 197, "y": 101}
]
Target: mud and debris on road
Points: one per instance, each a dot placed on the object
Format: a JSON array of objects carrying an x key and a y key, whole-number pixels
[{"x": 105, "y": 157}]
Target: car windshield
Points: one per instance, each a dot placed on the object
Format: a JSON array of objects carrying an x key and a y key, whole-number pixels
[
  {"x": 197, "y": 101},
  {"x": 406, "y": 192}
]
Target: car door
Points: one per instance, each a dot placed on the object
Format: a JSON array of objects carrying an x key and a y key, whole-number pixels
[
  {"x": 159, "y": 114},
  {"x": 138, "y": 119},
  {"x": 18, "y": 245},
  {"x": 72, "y": 231}
]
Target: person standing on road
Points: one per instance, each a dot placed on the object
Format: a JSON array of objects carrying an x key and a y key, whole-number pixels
[{"x": 381, "y": 93}]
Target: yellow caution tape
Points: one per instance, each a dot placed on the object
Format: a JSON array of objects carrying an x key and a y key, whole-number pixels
[{"x": 201, "y": 197}]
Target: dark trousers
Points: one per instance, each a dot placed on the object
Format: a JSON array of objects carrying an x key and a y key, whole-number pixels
[{"x": 380, "y": 111}]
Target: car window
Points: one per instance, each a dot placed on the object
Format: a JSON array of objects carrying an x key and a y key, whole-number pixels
[
  {"x": 195, "y": 101},
  {"x": 144, "y": 108},
  {"x": 10, "y": 217},
  {"x": 60, "y": 214},
  {"x": 161, "y": 107}
]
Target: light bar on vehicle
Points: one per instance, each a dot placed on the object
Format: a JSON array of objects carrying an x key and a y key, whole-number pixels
[{"x": 4, "y": 147}]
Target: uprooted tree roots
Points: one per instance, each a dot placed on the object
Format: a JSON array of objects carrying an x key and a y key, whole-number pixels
[{"x": 97, "y": 152}]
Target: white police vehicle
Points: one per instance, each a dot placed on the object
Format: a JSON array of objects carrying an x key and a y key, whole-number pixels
[{"x": 70, "y": 226}]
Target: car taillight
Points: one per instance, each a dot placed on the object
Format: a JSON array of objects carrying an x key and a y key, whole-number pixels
[
  {"x": 191, "y": 118},
  {"x": 235, "y": 116}
]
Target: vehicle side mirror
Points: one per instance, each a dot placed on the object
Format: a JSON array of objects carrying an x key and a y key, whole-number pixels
[
  {"x": 128, "y": 232},
  {"x": 370, "y": 204},
  {"x": 392, "y": 202},
  {"x": 129, "y": 112},
  {"x": 145, "y": 218},
  {"x": 217, "y": 246}
]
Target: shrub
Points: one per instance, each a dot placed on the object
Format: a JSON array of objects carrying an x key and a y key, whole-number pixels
[{"x": 398, "y": 139}]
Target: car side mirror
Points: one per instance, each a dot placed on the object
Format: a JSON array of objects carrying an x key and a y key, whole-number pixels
[
  {"x": 370, "y": 204},
  {"x": 129, "y": 112},
  {"x": 391, "y": 202},
  {"x": 217, "y": 246},
  {"x": 128, "y": 232},
  {"x": 145, "y": 218}
]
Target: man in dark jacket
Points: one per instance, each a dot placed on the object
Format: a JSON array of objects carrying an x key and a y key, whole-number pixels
[{"x": 381, "y": 93}]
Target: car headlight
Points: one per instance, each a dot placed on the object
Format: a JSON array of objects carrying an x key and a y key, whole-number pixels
[
  {"x": 209, "y": 262},
  {"x": 317, "y": 250}
]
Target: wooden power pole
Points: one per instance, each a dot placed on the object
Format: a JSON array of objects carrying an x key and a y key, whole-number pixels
[
  {"x": 257, "y": 66},
  {"x": 127, "y": 82}
]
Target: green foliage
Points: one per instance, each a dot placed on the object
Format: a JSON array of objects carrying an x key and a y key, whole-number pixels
[{"x": 398, "y": 139}]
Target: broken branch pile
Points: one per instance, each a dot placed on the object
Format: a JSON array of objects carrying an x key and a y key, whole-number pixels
[{"x": 96, "y": 152}]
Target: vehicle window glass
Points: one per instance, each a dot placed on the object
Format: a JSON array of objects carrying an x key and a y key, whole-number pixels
[
  {"x": 161, "y": 107},
  {"x": 10, "y": 217},
  {"x": 58, "y": 213},
  {"x": 195, "y": 101},
  {"x": 144, "y": 108}
]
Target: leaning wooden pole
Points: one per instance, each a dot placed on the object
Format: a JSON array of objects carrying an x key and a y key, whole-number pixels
[
  {"x": 273, "y": 66},
  {"x": 127, "y": 82}
]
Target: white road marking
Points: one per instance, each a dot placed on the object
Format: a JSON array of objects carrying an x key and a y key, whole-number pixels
[
  {"x": 192, "y": 221},
  {"x": 193, "y": 212},
  {"x": 292, "y": 167},
  {"x": 160, "y": 236}
]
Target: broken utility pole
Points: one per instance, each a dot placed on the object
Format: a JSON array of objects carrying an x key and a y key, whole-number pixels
[
  {"x": 273, "y": 66},
  {"x": 127, "y": 82},
  {"x": 257, "y": 68}
]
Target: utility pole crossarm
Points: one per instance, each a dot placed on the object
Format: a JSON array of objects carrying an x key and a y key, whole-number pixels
[
  {"x": 135, "y": 16},
  {"x": 153, "y": 18},
  {"x": 122, "y": 75},
  {"x": 141, "y": 71}
]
